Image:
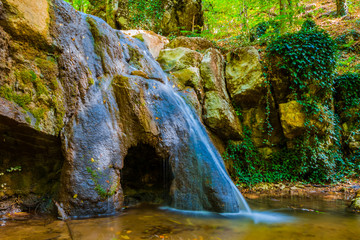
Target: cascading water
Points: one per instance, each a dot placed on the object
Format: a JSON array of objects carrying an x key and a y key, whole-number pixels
[{"x": 206, "y": 184}]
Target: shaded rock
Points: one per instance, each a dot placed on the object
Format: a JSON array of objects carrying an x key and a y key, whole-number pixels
[
  {"x": 220, "y": 116},
  {"x": 193, "y": 43},
  {"x": 182, "y": 15},
  {"x": 255, "y": 119},
  {"x": 292, "y": 119},
  {"x": 179, "y": 58},
  {"x": 191, "y": 98},
  {"x": 153, "y": 41},
  {"x": 244, "y": 77}
]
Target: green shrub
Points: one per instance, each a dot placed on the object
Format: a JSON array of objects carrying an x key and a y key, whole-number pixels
[{"x": 307, "y": 56}]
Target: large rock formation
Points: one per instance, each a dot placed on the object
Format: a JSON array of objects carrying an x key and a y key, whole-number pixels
[{"x": 100, "y": 96}]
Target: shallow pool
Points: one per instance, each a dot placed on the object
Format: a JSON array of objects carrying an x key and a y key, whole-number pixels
[{"x": 286, "y": 218}]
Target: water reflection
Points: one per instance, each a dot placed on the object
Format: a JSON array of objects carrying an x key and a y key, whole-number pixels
[{"x": 288, "y": 219}]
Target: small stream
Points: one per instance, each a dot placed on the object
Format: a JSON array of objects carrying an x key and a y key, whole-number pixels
[{"x": 286, "y": 218}]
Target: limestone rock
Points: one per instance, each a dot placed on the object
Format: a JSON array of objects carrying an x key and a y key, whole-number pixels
[
  {"x": 212, "y": 72},
  {"x": 153, "y": 41},
  {"x": 189, "y": 77},
  {"x": 28, "y": 19},
  {"x": 193, "y": 43},
  {"x": 220, "y": 116},
  {"x": 179, "y": 58},
  {"x": 244, "y": 77},
  {"x": 292, "y": 119}
]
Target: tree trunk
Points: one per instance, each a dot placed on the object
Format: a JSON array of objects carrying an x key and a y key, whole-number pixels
[
  {"x": 282, "y": 14},
  {"x": 342, "y": 8}
]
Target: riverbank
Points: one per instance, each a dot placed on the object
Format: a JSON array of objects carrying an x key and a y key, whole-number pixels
[{"x": 340, "y": 191}]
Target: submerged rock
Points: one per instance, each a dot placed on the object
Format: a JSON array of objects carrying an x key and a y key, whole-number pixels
[{"x": 355, "y": 203}]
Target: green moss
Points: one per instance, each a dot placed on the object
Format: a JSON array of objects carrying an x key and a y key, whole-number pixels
[
  {"x": 21, "y": 99},
  {"x": 140, "y": 37},
  {"x": 48, "y": 67},
  {"x": 121, "y": 81},
  {"x": 103, "y": 193},
  {"x": 28, "y": 119},
  {"x": 25, "y": 76},
  {"x": 91, "y": 81},
  {"x": 98, "y": 39}
]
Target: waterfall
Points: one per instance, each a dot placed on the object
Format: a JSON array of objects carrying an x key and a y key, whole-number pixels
[{"x": 118, "y": 110}]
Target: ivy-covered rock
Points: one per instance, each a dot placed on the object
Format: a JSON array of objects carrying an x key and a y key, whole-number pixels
[
  {"x": 244, "y": 77},
  {"x": 179, "y": 58}
]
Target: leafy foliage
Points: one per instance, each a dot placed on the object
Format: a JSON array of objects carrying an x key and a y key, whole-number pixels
[
  {"x": 307, "y": 56},
  {"x": 347, "y": 93},
  {"x": 145, "y": 14}
]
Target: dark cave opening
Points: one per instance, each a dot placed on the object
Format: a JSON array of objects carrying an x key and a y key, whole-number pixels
[
  {"x": 30, "y": 167},
  {"x": 146, "y": 177}
]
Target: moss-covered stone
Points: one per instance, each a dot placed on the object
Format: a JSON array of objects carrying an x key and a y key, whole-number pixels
[
  {"x": 244, "y": 77},
  {"x": 220, "y": 117},
  {"x": 179, "y": 58}
]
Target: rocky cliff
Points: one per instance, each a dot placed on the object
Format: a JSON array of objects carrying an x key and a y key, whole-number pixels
[{"x": 89, "y": 119}]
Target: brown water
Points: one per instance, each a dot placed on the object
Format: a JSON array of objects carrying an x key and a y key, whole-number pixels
[{"x": 273, "y": 219}]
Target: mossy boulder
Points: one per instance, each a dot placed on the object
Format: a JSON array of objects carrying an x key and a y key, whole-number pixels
[
  {"x": 355, "y": 203},
  {"x": 179, "y": 58},
  {"x": 220, "y": 117},
  {"x": 244, "y": 77},
  {"x": 189, "y": 77}
]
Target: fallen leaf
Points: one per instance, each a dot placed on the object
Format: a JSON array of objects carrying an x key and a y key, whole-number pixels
[{"x": 124, "y": 237}]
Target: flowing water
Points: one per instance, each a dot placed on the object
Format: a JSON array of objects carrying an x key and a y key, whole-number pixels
[{"x": 296, "y": 218}]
